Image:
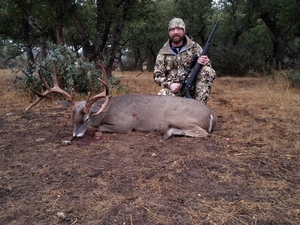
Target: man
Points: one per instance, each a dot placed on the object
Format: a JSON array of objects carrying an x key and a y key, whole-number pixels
[{"x": 175, "y": 57}]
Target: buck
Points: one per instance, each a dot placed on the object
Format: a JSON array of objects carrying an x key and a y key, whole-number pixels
[{"x": 124, "y": 113}]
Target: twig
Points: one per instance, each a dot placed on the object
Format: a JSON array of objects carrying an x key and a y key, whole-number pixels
[
  {"x": 25, "y": 72},
  {"x": 131, "y": 223},
  {"x": 75, "y": 221},
  {"x": 233, "y": 217}
]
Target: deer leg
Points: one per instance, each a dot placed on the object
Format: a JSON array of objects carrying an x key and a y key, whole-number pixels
[{"x": 198, "y": 132}]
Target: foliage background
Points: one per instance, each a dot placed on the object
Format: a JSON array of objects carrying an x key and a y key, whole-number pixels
[{"x": 253, "y": 36}]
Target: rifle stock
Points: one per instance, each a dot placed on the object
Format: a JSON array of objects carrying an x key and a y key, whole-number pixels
[{"x": 192, "y": 78}]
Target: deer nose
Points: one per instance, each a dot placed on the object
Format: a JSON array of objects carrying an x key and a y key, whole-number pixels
[{"x": 78, "y": 135}]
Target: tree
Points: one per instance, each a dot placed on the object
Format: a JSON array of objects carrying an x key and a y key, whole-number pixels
[{"x": 251, "y": 33}]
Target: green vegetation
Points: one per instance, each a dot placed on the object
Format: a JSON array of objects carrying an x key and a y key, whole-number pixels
[
  {"x": 260, "y": 36},
  {"x": 73, "y": 72}
]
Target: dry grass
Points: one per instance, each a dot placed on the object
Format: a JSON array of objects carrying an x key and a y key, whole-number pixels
[
  {"x": 136, "y": 82},
  {"x": 252, "y": 100},
  {"x": 247, "y": 172}
]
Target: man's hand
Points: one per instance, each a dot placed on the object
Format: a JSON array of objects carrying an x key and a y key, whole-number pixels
[
  {"x": 203, "y": 60},
  {"x": 175, "y": 87}
]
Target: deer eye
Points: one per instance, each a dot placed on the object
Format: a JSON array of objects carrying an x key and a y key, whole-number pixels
[{"x": 87, "y": 119}]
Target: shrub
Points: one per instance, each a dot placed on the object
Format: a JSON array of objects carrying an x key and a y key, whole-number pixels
[{"x": 72, "y": 72}]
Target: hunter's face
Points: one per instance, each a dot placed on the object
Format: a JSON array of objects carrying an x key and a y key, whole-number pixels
[{"x": 176, "y": 35}]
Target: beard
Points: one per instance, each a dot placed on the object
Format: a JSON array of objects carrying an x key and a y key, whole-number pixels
[{"x": 176, "y": 39}]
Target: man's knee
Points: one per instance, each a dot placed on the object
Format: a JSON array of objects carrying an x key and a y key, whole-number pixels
[{"x": 203, "y": 91}]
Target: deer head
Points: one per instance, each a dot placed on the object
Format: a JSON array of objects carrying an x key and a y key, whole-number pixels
[{"x": 81, "y": 111}]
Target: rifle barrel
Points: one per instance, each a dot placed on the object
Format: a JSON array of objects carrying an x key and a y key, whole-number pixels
[{"x": 198, "y": 66}]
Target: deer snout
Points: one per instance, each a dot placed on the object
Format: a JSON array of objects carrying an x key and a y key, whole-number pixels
[
  {"x": 79, "y": 129},
  {"x": 77, "y": 135}
]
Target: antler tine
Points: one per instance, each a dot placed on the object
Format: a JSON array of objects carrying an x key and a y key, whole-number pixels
[
  {"x": 104, "y": 94},
  {"x": 55, "y": 89},
  {"x": 107, "y": 97},
  {"x": 105, "y": 77}
]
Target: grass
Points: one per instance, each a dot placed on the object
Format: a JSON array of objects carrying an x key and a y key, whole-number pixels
[{"x": 252, "y": 175}]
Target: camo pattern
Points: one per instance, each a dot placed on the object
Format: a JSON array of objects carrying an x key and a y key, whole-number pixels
[
  {"x": 176, "y": 22},
  {"x": 170, "y": 68}
]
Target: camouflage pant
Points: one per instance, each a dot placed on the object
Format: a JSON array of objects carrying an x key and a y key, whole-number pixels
[{"x": 201, "y": 90}]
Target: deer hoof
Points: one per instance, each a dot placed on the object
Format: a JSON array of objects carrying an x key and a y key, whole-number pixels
[{"x": 166, "y": 136}]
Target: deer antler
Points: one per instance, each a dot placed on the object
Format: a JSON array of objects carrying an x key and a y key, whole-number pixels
[
  {"x": 54, "y": 89},
  {"x": 105, "y": 94}
]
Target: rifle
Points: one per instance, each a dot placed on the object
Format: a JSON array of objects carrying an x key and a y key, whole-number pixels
[
  {"x": 190, "y": 81},
  {"x": 188, "y": 71}
]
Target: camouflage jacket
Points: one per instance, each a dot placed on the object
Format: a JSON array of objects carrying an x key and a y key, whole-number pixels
[{"x": 170, "y": 67}]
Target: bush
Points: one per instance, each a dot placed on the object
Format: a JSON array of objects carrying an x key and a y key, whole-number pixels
[{"x": 72, "y": 72}]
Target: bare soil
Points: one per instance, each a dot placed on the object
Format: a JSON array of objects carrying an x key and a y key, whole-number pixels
[{"x": 246, "y": 172}]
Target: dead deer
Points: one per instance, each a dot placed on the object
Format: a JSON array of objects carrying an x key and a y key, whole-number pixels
[{"x": 125, "y": 113}]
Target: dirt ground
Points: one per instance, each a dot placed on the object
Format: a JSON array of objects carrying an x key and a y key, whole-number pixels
[{"x": 246, "y": 172}]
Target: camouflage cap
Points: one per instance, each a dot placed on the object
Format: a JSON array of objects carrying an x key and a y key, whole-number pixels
[{"x": 176, "y": 22}]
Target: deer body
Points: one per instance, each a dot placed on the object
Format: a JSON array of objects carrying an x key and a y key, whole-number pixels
[
  {"x": 167, "y": 114},
  {"x": 122, "y": 114}
]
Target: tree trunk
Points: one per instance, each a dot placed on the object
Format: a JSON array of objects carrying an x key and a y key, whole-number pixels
[
  {"x": 26, "y": 38},
  {"x": 87, "y": 48},
  {"x": 59, "y": 35},
  {"x": 102, "y": 29},
  {"x": 152, "y": 59},
  {"x": 283, "y": 49},
  {"x": 112, "y": 51},
  {"x": 59, "y": 27},
  {"x": 116, "y": 38}
]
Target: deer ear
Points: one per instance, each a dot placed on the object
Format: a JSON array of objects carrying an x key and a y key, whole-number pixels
[
  {"x": 64, "y": 103},
  {"x": 95, "y": 107}
]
